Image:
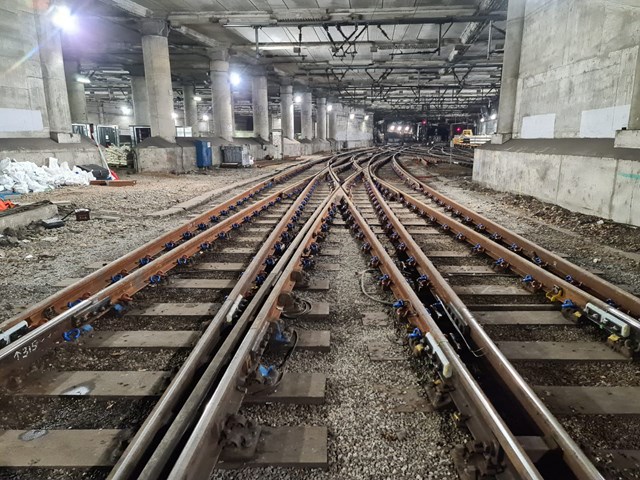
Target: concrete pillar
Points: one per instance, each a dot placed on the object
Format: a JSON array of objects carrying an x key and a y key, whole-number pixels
[
  {"x": 321, "y": 116},
  {"x": 54, "y": 80},
  {"x": 75, "y": 92},
  {"x": 286, "y": 110},
  {"x": 630, "y": 138},
  {"x": 260, "y": 100},
  {"x": 306, "y": 116},
  {"x": 140, "y": 99},
  {"x": 221, "y": 102},
  {"x": 190, "y": 109},
  {"x": 157, "y": 70},
  {"x": 510, "y": 71},
  {"x": 333, "y": 120}
]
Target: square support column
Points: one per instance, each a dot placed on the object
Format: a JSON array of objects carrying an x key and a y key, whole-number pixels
[
  {"x": 306, "y": 116},
  {"x": 54, "y": 79},
  {"x": 157, "y": 69},
  {"x": 630, "y": 138},
  {"x": 191, "y": 109},
  {"x": 221, "y": 101},
  {"x": 321, "y": 109},
  {"x": 140, "y": 97},
  {"x": 75, "y": 92},
  {"x": 260, "y": 103},
  {"x": 286, "y": 110},
  {"x": 510, "y": 71}
]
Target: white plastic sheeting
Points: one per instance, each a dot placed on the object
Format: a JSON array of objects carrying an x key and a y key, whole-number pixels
[{"x": 24, "y": 177}]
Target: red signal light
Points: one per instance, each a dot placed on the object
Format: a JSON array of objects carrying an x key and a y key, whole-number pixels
[{"x": 424, "y": 122}]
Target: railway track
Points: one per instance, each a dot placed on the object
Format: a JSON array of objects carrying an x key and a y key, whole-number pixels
[{"x": 140, "y": 369}]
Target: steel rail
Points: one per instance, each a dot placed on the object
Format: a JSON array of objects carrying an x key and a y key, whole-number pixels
[
  {"x": 461, "y": 376},
  {"x": 57, "y": 303},
  {"x": 557, "y": 288},
  {"x": 540, "y": 414},
  {"x": 561, "y": 267},
  {"x": 120, "y": 291},
  {"x": 200, "y": 452},
  {"x": 128, "y": 464}
]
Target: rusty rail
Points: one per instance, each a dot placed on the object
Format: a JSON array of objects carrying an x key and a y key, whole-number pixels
[
  {"x": 556, "y": 264},
  {"x": 554, "y": 433},
  {"x": 200, "y": 453},
  {"x": 130, "y": 464}
]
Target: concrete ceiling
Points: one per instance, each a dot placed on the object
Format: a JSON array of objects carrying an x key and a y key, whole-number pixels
[{"x": 428, "y": 57}]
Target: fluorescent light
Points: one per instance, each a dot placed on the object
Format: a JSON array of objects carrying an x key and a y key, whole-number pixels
[
  {"x": 297, "y": 99},
  {"x": 329, "y": 108},
  {"x": 482, "y": 119},
  {"x": 125, "y": 110},
  {"x": 197, "y": 99},
  {"x": 62, "y": 18},
  {"x": 407, "y": 128},
  {"x": 392, "y": 128},
  {"x": 174, "y": 115},
  {"x": 205, "y": 117},
  {"x": 81, "y": 79},
  {"x": 366, "y": 117},
  {"x": 352, "y": 116},
  {"x": 494, "y": 116},
  {"x": 235, "y": 79}
]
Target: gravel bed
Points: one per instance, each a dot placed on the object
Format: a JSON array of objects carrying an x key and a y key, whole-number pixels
[
  {"x": 367, "y": 438},
  {"x": 543, "y": 333},
  {"x": 44, "y": 256},
  {"x": 72, "y": 413},
  {"x": 621, "y": 374}
]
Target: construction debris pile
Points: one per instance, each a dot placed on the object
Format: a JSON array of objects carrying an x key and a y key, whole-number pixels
[{"x": 25, "y": 177}]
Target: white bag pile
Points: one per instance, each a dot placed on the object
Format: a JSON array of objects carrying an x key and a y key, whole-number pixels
[{"x": 25, "y": 177}]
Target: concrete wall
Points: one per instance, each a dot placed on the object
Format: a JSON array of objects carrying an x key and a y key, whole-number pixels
[
  {"x": 576, "y": 68},
  {"x": 594, "y": 181},
  {"x": 23, "y": 110}
]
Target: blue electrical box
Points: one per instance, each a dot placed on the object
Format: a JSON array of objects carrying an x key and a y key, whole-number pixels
[{"x": 203, "y": 154}]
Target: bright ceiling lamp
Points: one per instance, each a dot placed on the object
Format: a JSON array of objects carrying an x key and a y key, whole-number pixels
[
  {"x": 482, "y": 120},
  {"x": 352, "y": 116},
  {"x": 235, "y": 79},
  {"x": 174, "y": 115},
  {"x": 205, "y": 117},
  {"x": 82, "y": 79},
  {"x": 197, "y": 99},
  {"x": 494, "y": 116},
  {"x": 366, "y": 117},
  {"x": 297, "y": 99},
  {"x": 62, "y": 18},
  {"x": 329, "y": 108},
  {"x": 125, "y": 110}
]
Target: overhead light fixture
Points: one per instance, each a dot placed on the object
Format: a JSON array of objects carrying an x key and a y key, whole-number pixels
[
  {"x": 297, "y": 99},
  {"x": 482, "y": 119},
  {"x": 366, "y": 117},
  {"x": 494, "y": 116},
  {"x": 125, "y": 110},
  {"x": 197, "y": 99},
  {"x": 205, "y": 117},
  {"x": 329, "y": 108},
  {"x": 407, "y": 128},
  {"x": 352, "y": 116},
  {"x": 392, "y": 128},
  {"x": 235, "y": 79},
  {"x": 82, "y": 79},
  {"x": 62, "y": 18},
  {"x": 174, "y": 115}
]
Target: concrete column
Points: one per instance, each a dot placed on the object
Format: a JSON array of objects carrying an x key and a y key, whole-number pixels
[
  {"x": 260, "y": 100},
  {"x": 333, "y": 120},
  {"x": 306, "y": 116},
  {"x": 140, "y": 99},
  {"x": 321, "y": 117},
  {"x": 157, "y": 70},
  {"x": 190, "y": 109},
  {"x": 221, "y": 101},
  {"x": 75, "y": 92},
  {"x": 54, "y": 80},
  {"x": 630, "y": 138},
  {"x": 510, "y": 71},
  {"x": 286, "y": 110}
]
